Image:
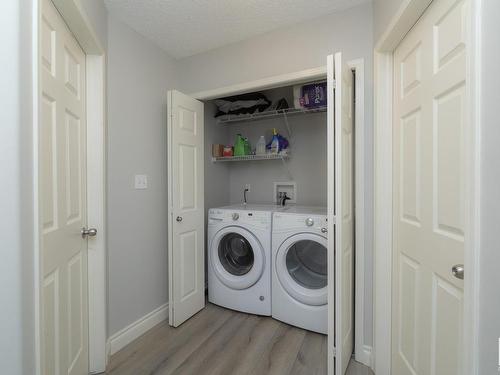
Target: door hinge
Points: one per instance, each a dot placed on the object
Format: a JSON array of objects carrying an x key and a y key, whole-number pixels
[{"x": 334, "y": 351}]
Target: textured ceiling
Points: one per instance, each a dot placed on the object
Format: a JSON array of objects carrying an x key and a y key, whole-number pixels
[{"x": 187, "y": 27}]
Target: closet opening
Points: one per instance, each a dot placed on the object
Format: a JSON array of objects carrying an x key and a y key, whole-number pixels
[{"x": 277, "y": 189}]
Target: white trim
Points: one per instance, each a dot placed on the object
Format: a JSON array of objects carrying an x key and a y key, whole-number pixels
[
  {"x": 263, "y": 84},
  {"x": 170, "y": 229},
  {"x": 96, "y": 215},
  {"x": 330, "y": 145},
  {"x": 402, "y": 22},
  {"x": 79, "y": 24},
  {"x": 364, "y": 356},
  {"x": 473, "y": 191},
  {"x": 382, "y": 213},
  {"x": 131, "y": 332},
  {"x": 36, "y": 17},
  {"x": 359, "y": 148}
]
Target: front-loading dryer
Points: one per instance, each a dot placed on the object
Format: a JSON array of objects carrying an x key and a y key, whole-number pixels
[
  {"x": 239, "y": 258},
  {"x": 299, "y": 272}
]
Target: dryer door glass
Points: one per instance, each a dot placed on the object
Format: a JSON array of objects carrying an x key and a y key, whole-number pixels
[
  {"x": 236, "y": 254},
  {"x": 306, "y": 262}
]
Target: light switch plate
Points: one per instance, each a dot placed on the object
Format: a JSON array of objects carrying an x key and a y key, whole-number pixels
[{"x": 141, "y": 181}]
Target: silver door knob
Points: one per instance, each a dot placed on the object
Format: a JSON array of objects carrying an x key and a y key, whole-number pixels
[
  {"x": 90, "y": 232},
  {"x": 179, "y": 218},
  {"x": 309, "y": 221},
  {"x": 324, "y": 230},
  {"x": 458, "y": 271}
]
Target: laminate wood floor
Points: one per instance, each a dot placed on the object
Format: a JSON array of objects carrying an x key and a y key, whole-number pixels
[{"x": 225, "y": 342}]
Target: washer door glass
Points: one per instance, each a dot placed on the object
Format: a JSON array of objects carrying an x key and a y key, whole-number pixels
[
  {"x": 306, "y": 262},
  {"x": 236, "y": 254}
]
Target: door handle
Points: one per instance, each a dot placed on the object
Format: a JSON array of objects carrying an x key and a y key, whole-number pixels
[
  {"x": 90, "y": 232},
  {"x": 458, "y": 271},
  {"x": 179, "y": 219}
]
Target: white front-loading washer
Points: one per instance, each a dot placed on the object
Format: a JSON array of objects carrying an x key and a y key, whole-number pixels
[
  {"x": 299, "y": 271},
  {"x": 239, "y": 258}
]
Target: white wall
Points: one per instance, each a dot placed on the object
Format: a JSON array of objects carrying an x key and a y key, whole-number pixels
[
  {"x": 139, "y": 75},
  {"x": 17, "y": 338},
  {"x": 489, "y": 297},
  {"x": 291, "y": 49}
]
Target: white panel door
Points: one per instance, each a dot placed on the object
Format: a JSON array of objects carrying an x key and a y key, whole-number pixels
[
  {"x": 429, "y": 192},
  {"x": 186, "y": 254},
  {"x": 62, "y": 196},
  {"x": 341, "y": 213}
]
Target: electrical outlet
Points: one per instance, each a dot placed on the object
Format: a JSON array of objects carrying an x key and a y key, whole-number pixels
[
  {"x": 247, "y": 187},
  {"x": 141, "y": 181}
]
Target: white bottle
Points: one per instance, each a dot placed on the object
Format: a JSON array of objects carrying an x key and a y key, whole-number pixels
[
  {"x": 260, "y": 148},
  {"x": 275, "y": 144}
]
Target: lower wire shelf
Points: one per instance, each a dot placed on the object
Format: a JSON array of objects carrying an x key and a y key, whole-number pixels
[{"x": 280, "y": 156}]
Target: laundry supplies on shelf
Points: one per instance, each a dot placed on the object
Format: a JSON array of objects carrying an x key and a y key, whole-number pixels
[
  {"x": 278, "y": 143},
  {"x": 310, "y": 96},
  {"x": 241, "y": 146},
  {"x": 275, "y": 143},
  {"x": 260, "y": 148},
  {"x": 227, "y": 151}
]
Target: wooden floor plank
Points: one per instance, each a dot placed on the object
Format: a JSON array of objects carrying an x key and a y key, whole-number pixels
[
  {"x": 281, "y": 351},
  {"x": 311, "y": 358},
  {"x": 218, "y": 341}
]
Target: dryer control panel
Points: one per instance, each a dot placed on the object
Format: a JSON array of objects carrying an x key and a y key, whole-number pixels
[{"x": 283, "y": 222}]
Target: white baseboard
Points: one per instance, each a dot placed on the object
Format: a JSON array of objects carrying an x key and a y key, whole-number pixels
[
  {"x": 128, "y": 334},
  {"x": 365, "y": 356}
]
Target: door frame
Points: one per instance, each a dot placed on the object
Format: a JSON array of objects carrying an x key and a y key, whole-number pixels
[
  {"x": 404, "y": 19},
  {"x": 77, "y": 21},
  {"x": 362, "y": 352}
]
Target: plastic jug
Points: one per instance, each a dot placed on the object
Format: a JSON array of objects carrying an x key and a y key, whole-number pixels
[
  {"x": 275, "y": 143},
  {"x": 260, "y": 148},
  {"x": 239, "y": 145}
]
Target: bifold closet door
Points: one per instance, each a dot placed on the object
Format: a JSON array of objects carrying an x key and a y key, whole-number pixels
[
  {"x": 340, "y": 214},
  {"x": 186, "y": 210}
]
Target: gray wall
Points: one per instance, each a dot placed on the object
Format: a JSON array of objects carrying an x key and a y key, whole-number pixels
[
  {"x": 17, "y": 343},
  {"x": 291, "y": 49},
  {"x": 216, "y": 174},
  {"x": 307, "y": 164},
  {"x": 139, "y": 75},
  {"x": 98, "y": 17},
  {"x": 489, "y": 297},
  {"x": 383, "y": 12}
]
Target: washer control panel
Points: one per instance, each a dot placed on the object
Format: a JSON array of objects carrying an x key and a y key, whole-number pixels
[{"x": 258, "y": 218}]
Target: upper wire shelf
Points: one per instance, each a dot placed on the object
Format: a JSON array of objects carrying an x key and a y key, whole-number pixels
[{"x": 264, "y": 115}]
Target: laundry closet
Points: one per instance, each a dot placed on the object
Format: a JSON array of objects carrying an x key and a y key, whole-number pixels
[
  {"x": 272, "y": 163},
  {"x": 304, "y": 130}
]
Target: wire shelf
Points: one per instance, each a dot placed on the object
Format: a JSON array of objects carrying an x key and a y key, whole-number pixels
[
  {"x": 228, "y": 119},
  {"x": 280, "y": 156}
]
